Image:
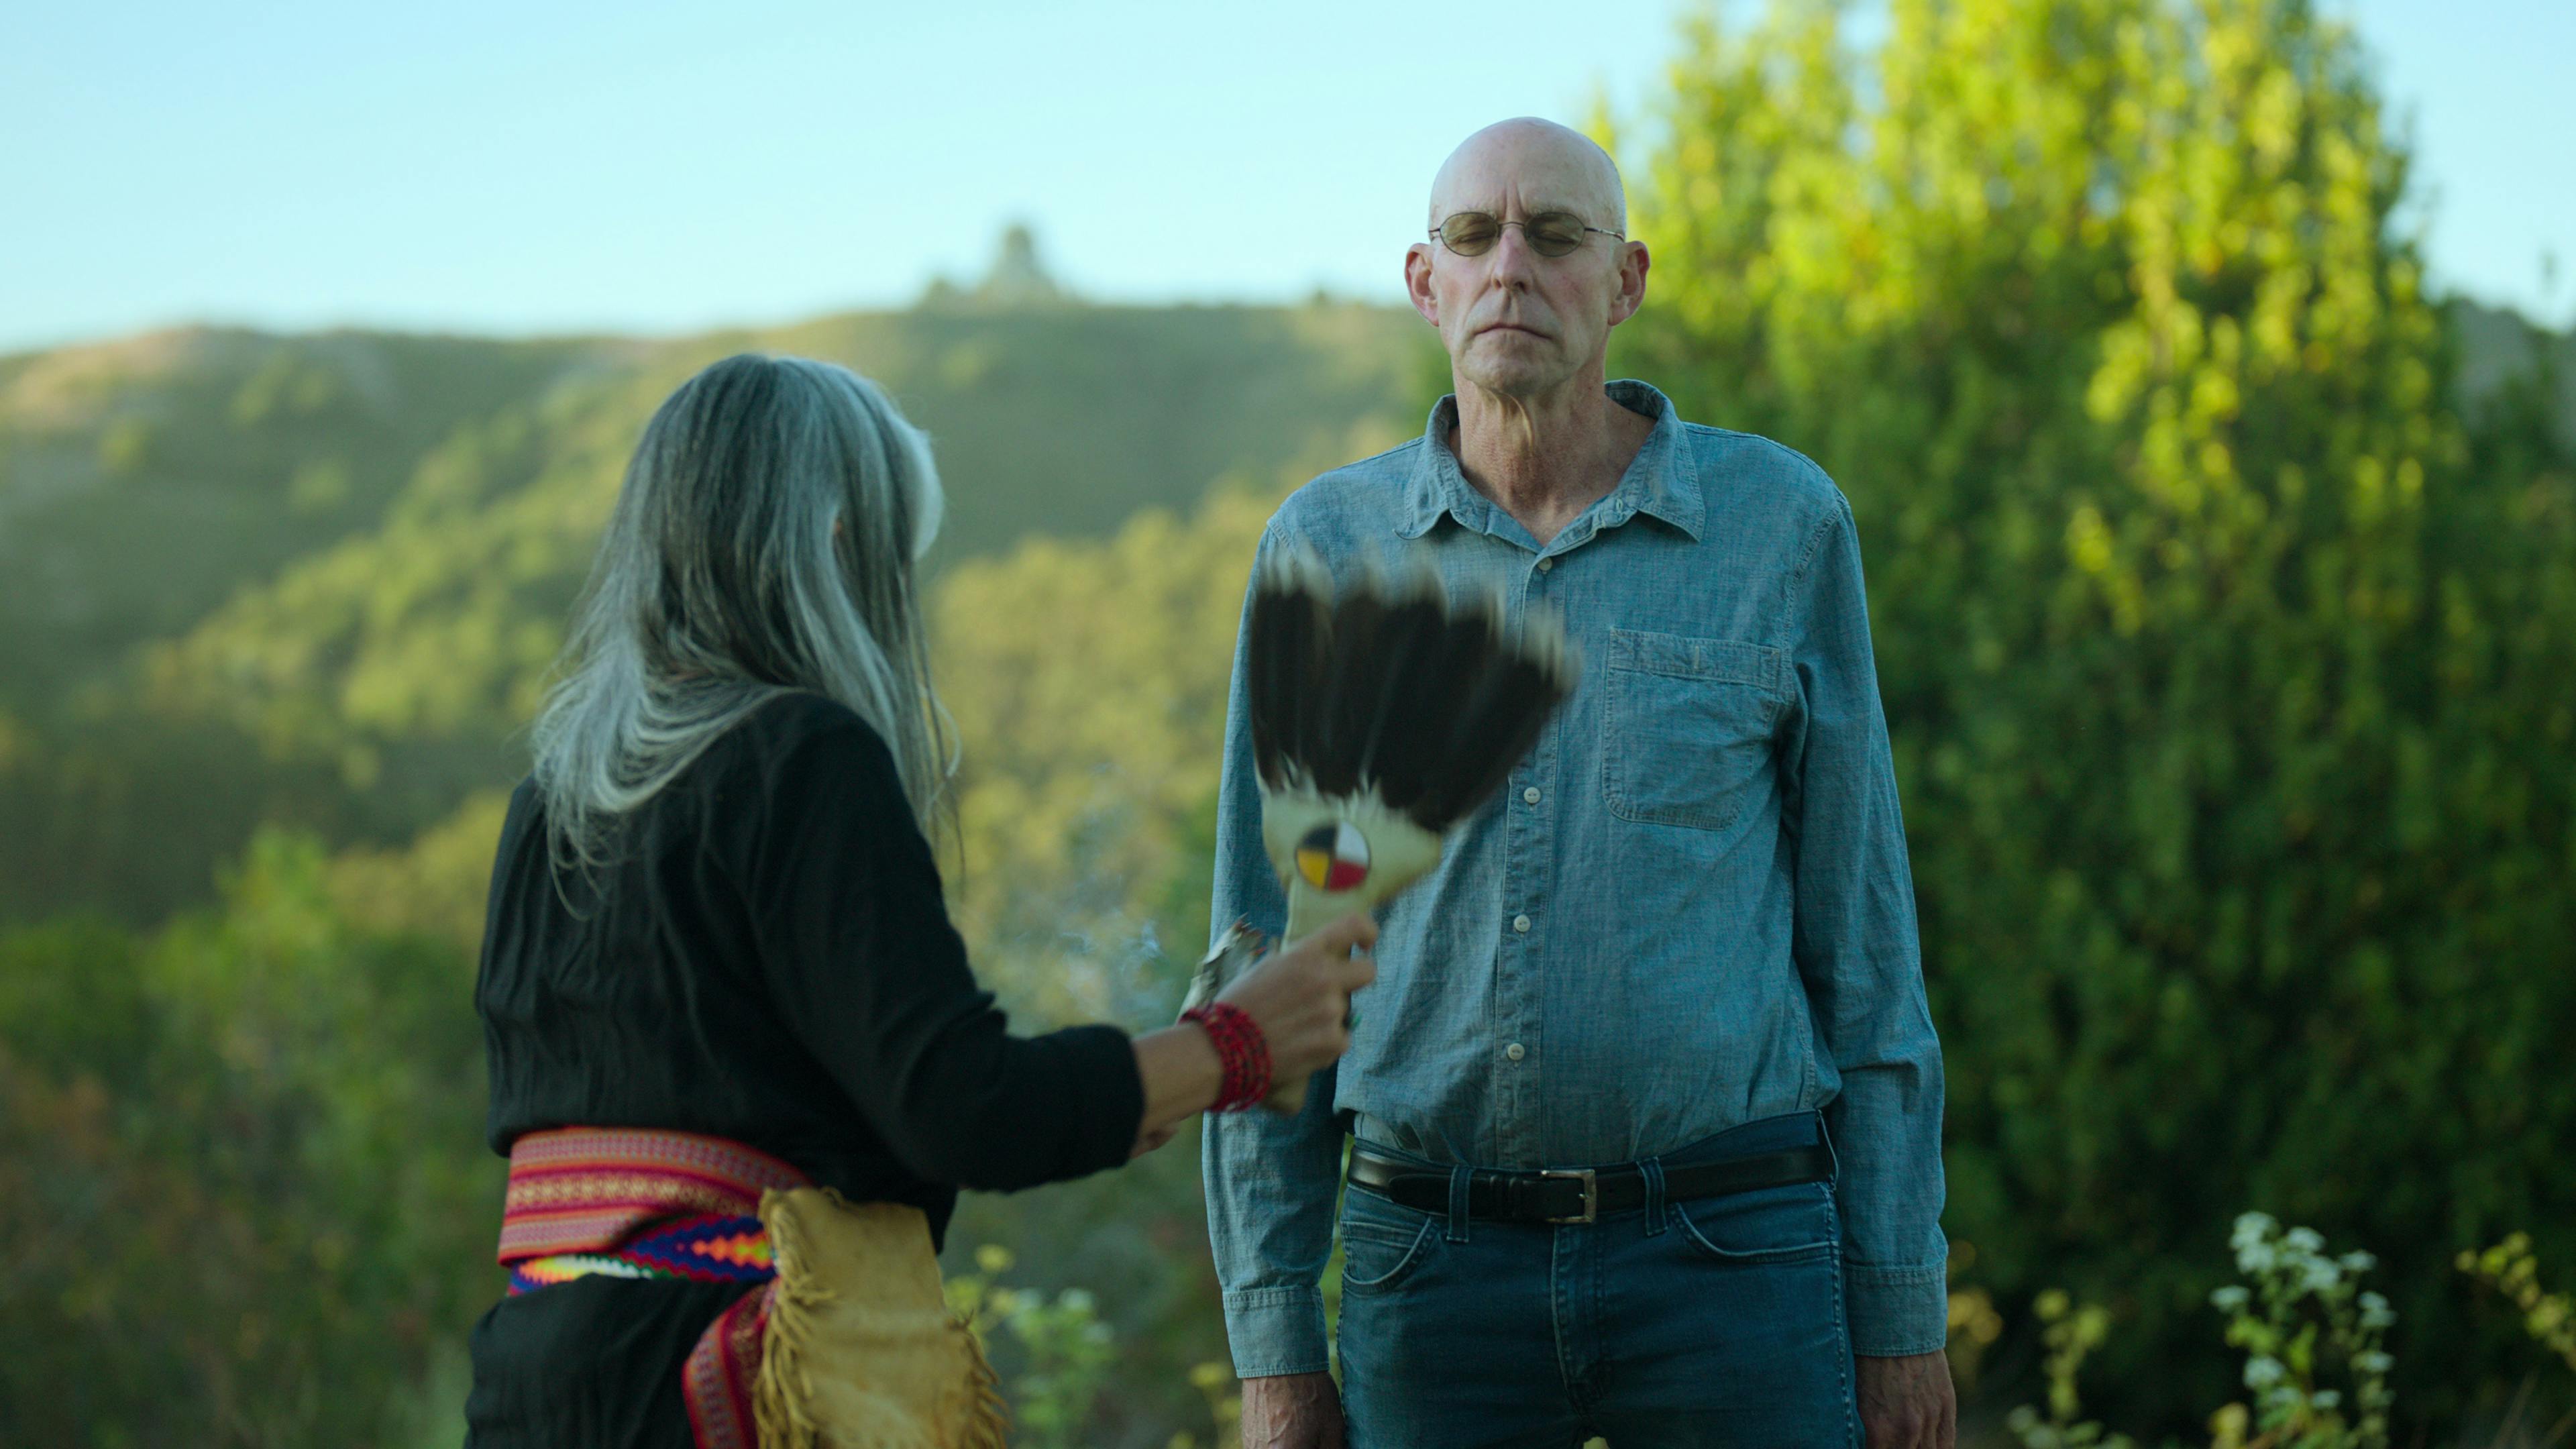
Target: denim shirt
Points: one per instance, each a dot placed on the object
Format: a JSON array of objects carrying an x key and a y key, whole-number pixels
[{"x": 1689, "y": 908}]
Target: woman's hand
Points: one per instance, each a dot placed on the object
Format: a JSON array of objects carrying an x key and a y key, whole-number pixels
[
  {"x": 1301, "y": 1001},
  {"x": 1301, "y": 998}
]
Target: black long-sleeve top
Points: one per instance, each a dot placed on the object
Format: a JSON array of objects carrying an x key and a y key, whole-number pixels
[{"x": 768, "y": 958}]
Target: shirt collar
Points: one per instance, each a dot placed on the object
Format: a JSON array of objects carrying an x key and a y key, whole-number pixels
[{"x": 1662, "y": 481}]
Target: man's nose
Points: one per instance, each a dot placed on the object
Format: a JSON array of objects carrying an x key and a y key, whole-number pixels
[{"x": 1514, "y": 262}]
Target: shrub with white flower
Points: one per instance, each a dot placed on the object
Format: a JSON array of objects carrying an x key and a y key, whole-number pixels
[
  {"x": 2071, "y": 1333},
  {"x": 2304, "y": 1319}
]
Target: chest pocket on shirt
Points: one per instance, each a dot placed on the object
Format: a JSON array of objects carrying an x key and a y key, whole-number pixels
[{"x": 1689, "y": 727}]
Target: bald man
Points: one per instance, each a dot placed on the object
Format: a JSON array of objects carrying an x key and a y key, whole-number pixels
[{"x": 1645, "y": 1108}]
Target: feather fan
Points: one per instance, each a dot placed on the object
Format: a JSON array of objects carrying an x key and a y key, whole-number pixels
[{"x": 1380, "y": 720}]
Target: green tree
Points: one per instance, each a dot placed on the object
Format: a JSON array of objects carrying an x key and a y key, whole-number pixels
[
  {"x": 2229, "y": 668},
  {"x": 1088, "y": 681},
  {"x": 241, "y": 1175}
]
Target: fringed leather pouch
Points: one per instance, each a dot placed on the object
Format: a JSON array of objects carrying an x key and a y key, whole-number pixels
[{"x": 861, "y": 1350}]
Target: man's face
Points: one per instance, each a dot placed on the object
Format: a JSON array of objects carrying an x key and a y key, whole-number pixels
[{"x": 1515, "y": 322}]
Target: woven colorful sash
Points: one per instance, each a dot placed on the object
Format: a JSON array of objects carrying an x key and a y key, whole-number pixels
[{"x": 633, "y": 1203}]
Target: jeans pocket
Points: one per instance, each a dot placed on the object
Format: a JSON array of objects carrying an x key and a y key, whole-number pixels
[
  {"x": 1791, "y": 1224},
  {"x": 1689, "y": 724},
  {"x": 1382, "y": 1242}
]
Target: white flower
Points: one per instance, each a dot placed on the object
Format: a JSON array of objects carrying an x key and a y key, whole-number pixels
[
  {"x": 2305, "y": 1240},
  {"x": 2230, "y": 1298},
  {"x": 2262, "y": 1371},
  {"x": 2251, "y": 1228},
  {"x": 2324, "y": 1399},
  {"x": 2373, "y": 1362},
  {"x": 2375, "y": 1312},
  {"x": 2322, "y": 1274},
  {"x": 2256, "y": 1258},
  {"x": 2359, "y": 1262}
]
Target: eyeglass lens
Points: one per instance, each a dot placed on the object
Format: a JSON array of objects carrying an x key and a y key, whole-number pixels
[{"x": 1550, "y": 233}]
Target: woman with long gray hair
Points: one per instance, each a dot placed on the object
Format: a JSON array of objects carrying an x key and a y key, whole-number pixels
[{"x": 738, "y": 1062}]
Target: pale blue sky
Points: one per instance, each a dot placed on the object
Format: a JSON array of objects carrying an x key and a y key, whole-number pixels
[{"x": 517, "y": 168}]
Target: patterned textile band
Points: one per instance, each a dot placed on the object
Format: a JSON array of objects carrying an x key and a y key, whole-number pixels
[
  {"x": 708, "y": 1248},
  {"x": 634, "y": 1203}
]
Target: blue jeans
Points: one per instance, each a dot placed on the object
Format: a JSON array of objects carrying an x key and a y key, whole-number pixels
[{"x": 1681, "y": 1325}]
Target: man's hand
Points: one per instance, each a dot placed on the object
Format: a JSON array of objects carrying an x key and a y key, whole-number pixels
[
  {"x": 1293, "y": 1411},
  {"x": 1905, "y": 1403}
]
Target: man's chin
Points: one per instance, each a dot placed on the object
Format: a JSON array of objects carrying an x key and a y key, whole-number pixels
[{"x": 1522, "y": 376}]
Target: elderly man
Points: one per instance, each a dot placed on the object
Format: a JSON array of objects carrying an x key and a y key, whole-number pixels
[{"x": 1646, "y": 1103}]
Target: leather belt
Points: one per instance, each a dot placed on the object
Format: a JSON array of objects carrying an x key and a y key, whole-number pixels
[{"x": 1579, "y": 1195}]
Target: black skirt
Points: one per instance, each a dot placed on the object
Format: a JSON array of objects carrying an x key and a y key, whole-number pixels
[{"x": 589, "y": 1364}]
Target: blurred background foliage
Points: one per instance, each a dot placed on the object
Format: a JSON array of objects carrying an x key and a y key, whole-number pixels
[
  {"x": 2231, "y": 661},
  {"x": 2225, "y": 595}
]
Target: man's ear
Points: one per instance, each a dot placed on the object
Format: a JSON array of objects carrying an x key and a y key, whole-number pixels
[
  {"x": 1633, "y": 264},
  {"x": 1417, "y": 282}
]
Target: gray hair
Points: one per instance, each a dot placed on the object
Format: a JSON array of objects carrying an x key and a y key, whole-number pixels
[{"x": 764, "y": 541}]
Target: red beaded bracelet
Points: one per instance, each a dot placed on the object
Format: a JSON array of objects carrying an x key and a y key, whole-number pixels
[{"x": 1240, "y": 1046}]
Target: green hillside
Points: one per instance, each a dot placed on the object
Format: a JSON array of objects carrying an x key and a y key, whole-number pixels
[
  {"x": 2503, "y": 358},
  {"x": 2222, "y": 588},
  {"x": 314, "y": 579}
]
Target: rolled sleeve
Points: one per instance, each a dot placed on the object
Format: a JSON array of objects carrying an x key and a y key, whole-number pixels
[
  {"x": 1897, "y": 1311},
  {"x": 1858, "y": 956},
  {"x": 1276, "y": 1331}
]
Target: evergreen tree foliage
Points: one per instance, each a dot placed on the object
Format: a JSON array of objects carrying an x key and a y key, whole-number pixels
[
  {"x": 241, "y": 1171},
  {"x": 2232, "y": 674}
]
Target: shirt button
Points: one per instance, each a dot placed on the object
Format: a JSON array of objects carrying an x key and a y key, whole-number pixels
[
  {"x": 1521, "y": 924},
  {"x": 1530, "y": 795},
  {"x": 1514, "y": 1051},
  {"x": 1545, "y": 564}
]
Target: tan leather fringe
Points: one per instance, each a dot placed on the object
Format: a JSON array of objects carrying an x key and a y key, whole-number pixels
[
  {"x": 858, "y": 1306},
  {"x": 781, "y": 1395},
  {"x": 988, "y": 1423}
]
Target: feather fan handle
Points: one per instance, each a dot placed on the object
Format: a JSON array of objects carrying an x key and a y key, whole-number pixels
[
  {"x": 1346, "y": 854},
  {"x": 1380, "y": 719}
]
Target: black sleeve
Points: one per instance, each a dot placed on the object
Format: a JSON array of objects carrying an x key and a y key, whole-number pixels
[{"x": 859, "y": 954}]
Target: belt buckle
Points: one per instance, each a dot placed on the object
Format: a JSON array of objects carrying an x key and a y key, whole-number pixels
[{"x": 1591, "y": 1191}]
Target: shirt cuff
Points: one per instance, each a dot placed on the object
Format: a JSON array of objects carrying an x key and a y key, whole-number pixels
[
  {"x": 1897, "y": 1311},
  {"x": 1276, "y": 1331}
]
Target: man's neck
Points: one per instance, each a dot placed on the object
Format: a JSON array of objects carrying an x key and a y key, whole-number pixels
[{"x": 1544, "y": 459}]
